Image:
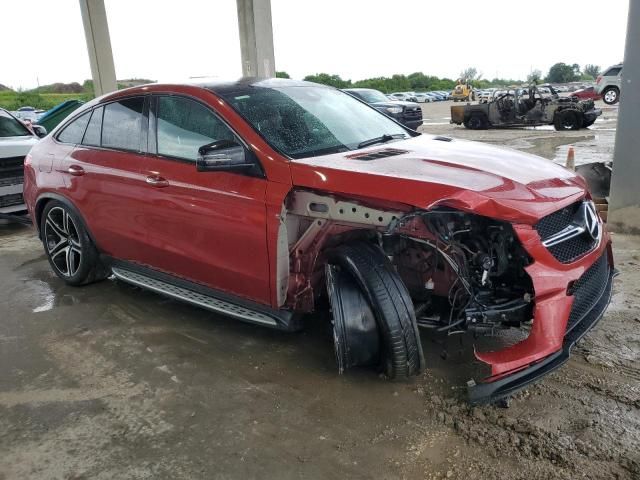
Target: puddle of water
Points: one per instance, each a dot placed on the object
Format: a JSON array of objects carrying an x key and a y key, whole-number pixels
[
  {"x": 598, "y": 148},
  {"x": 43, "y": 294}
]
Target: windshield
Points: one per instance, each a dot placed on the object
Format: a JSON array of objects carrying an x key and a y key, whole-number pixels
[
  {"x": 10, "y": 127},
  {"x": 371, "y": 96},
  {"x": 305, "y": 121}
]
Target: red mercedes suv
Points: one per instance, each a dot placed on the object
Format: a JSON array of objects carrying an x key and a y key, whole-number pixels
[{"x": 267, "y": 199}]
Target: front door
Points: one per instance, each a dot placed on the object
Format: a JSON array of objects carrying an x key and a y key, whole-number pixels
[{"x": 207, "y": 227}]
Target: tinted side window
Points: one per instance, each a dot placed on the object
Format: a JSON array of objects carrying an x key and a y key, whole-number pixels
[
  {"x": 185, "y": 125},
  {"x": 92, "y": 135},
  {"x": 613, "y": 72},
  {"x": 122, "y": 123},
  {"x": 73, "y": 132}
]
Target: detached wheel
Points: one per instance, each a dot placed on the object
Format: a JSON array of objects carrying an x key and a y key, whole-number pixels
[
  {"x": 567, "y": 120},
  {"x": 477, "y": 121},
  {"x": 611, "y": 95},
  {"x": 391, "y": 304},
  {"x": 71, "y": 253},
  {"x": 356, "y": 338}
]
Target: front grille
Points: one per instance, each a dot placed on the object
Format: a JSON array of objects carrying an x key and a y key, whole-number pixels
[
  {"x": 567, "y": 252},
  {"x": 413, "y": 113},
  {"x": 553, "y": 223},
  {"x": 571, "y": 249},
  {"x": 9, "y": 200},
  {"x": 588, "y": 290},
  {"x": 12, "y": 167}
]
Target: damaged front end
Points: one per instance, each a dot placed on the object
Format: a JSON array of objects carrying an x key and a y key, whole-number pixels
[
  {"x": 461, "y": 272},
  {"x": 468, "y": 272}
]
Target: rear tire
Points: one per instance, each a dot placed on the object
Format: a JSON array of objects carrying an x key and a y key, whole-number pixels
[
  {"x": 567, "y": 120},
  {"x": 611, "y": 95},
  {"x": 391, "y": 303},
  {"x": 69, "y": 249},
  {"x": 477, "y": 121}
]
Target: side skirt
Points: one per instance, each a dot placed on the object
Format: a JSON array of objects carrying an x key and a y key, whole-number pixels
[{"x": 201, "y": 296}]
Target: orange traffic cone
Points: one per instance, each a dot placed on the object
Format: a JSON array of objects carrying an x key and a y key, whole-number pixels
[{"x": 571, "y": 159}]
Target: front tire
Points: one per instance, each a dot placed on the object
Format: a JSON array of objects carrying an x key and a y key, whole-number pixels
[
  {"x": 69, "y": 249},
  {"x": 391, "y": 304},
  {"x": 567, "y": 120},
  {"x": 611, "y": 95}
]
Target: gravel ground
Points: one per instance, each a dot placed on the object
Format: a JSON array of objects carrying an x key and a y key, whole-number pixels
[{"x": 108, "y": 381}]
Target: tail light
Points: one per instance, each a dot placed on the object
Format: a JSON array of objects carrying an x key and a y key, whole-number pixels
[
  {"x": 598, "y": 79},
  {"x": 27, "y": 160}
]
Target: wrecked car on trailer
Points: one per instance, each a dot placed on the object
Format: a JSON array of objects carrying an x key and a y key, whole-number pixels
[
  {"x": 526, "y": 108},
  {"x": 304, "y": 199}
]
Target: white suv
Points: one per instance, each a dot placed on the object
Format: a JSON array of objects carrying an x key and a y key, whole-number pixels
[
  {"x": 608, "y": 84},
  {"x": 15, "y": 142}
]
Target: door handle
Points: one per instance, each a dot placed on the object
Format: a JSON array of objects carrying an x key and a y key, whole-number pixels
[
  {"x": 75, "y": 170},
  {"x": 157, "y": 181}
]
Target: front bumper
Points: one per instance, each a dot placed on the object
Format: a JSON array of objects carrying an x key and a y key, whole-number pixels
[
  {"x": 592, "y": 114},
  {"x": 509, "y": 384},
  {"x": 413, "y": 124},
  {"x": 11, "y": 200}
]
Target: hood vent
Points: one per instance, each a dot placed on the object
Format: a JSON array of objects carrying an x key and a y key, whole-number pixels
[
  {"x": 385, "y": 152},
  {"x": 442, "y": 139}
]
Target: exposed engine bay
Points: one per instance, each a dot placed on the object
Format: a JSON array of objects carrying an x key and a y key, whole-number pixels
[{"x": 463, "y": 271}]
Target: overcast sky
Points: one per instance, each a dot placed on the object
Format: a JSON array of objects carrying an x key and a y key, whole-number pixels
[{"x": 168, "y": 40}]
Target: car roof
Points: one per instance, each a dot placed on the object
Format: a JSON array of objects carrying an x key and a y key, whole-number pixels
[{"x": 217, "y": 86}]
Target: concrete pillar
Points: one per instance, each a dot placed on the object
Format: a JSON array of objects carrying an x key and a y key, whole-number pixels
[
  {"x": 96, "y": 30},
  {"x": 256, "y": 38},
  {"x": 624, "y": 201}
]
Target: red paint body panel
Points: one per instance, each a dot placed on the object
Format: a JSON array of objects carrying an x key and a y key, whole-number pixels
[
  {"x": 552, "y": 304},
  {"x": 107, "y": 195},
  {"x": 587, "y": 94},
  {"x": 221, "y": 229},
  {"x": 498, "y": 183},
  {"x": 208, "y": 227}
]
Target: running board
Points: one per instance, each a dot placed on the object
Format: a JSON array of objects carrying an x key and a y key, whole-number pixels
[{"x": 207, "y": 301}]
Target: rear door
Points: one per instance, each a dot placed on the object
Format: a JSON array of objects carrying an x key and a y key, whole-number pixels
[
  {"x": 103, "y": 176},
  {"x": 207, "y": 227}
]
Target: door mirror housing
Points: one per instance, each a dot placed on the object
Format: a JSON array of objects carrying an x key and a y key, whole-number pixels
[
  {"x": 39, "y": 130},
  {"x": 223, "y": 155}
]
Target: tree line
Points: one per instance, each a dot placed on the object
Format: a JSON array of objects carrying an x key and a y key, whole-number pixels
[{"x": 418, "y": 81}]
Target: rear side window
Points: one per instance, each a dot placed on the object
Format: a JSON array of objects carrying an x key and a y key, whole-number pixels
[
  {"x": 73, "y": 132},
  {"x": 185, "y": 125},
  {"x": 613, "y": 72},
  {"x": 122, "y": 124},
  {"x": 92, "y": 135}
]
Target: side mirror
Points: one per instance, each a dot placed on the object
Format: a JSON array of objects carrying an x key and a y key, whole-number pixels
[
  {"x": 39, "y": 130},
  {"x": 226, "y": 155}
]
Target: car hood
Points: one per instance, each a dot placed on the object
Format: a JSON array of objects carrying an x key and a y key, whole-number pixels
[
  {"x": 16, "y": 146},
  {"x": 429, "y": 171},
  {"x": 394, "y": 103}
]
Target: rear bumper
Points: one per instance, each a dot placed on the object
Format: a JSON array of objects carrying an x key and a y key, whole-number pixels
[{"x": 508, "y": 384}]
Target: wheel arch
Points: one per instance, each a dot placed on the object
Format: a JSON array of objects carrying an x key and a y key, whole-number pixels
[{"x": 42, "y": 201}]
